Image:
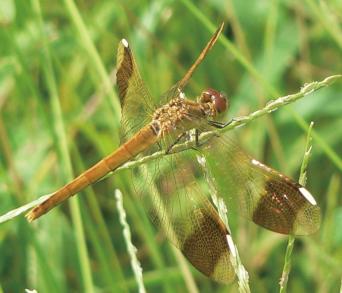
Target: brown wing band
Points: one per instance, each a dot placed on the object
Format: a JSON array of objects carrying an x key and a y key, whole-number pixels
[
  {"x": 277, "y": 209},
  {"x": 124, "y": 71},
  {"x": 207, "y": 244}
]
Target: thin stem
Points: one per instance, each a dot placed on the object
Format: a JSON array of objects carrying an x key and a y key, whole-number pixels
[
  {"x": 238, "y": 122},
  {"x": 162, "y": 213},
  {"x": 61, "y": 143},
  {"x": 274, "y": 92},
  {"x": 302, "y": 180},
  {"x": 231, "y": 47},
  {"x": 240, "y": 271},
  {"x": 132, "y": 250},
  {"x": 94, "y": 57},
  {"x": 327, "y": 19},
  {"x": 241, "y": 121}
]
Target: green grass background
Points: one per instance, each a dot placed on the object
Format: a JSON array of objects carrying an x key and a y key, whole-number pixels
[{"x": 59, "y": 113}]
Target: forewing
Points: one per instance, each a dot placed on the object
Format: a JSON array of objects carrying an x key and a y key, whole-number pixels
[
  {"x": 263, "y": 195},
  {"x": 176, "y": 198},
  {"x": 201, "y": 57},
  {"x": 136, "y": 102},
  {"x": 179, "y": 86}
]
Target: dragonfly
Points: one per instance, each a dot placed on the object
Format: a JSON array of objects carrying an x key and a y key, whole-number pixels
[{"x": 179, "y": 199}]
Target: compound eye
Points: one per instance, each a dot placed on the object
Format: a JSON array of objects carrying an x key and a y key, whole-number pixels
[
  {"x": 218, "y": 99},
  {"x": 220, "y": 102}
]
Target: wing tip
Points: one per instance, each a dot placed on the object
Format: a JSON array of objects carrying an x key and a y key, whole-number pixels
[
  {"x": 124, "y": 43},
  {"x": 308, "y": 196}
]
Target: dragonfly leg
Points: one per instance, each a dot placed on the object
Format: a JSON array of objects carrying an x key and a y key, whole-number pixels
[
  {"x": 197, "y": 133},
  {"x": 197, "y": 142},
  {"x": 175, "y": 142},
  {"x": 218, "y": 124}
]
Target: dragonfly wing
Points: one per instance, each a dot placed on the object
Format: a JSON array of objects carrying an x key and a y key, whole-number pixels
[
  {"x": 136, "y": 102},
  {"x": 200, "y": 58},
  {"x": 179, "y": 86},
  {"x": 256, "y": 191},
  {"x": 178, "y": 204}
]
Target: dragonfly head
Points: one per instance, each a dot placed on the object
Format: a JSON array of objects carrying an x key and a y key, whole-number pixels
[{"x": 219, "y": 100}]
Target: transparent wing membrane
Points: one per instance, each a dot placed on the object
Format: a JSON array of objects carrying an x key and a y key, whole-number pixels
[
  {"x": 180, "y": 85},
  {"x": 261, "y": 194},
  {"x": 176, "y": 195},
  {"x": 169, "y": 187},
  {"x": 136, "y": 102},
  {"x": 178, "y": 203}
]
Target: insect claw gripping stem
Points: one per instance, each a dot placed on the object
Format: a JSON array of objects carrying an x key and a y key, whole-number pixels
[
  {"x": 220, "y": 125},
  {"x": 197, "y": 137},
  {"x": 169, "y": 149},
  {"x": 197, "y": 142}
]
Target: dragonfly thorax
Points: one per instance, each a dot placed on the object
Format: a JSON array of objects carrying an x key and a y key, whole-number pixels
[{"x": 177, "y": 116}]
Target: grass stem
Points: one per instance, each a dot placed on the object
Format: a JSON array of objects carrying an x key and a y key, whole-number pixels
[{"x": 302, "y": 180}]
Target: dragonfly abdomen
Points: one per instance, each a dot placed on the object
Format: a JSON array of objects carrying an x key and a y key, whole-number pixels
[{"x": 142, "y": 140}]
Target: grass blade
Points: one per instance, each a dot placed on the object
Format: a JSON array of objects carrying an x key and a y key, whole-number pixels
[
  {"x": 135, "y": 264},
  {"x": 61, "y": 144},
  {"x": 302, "y": 180}
]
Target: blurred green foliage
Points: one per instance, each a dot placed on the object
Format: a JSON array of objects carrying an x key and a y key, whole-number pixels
[{"x": 57, "y": 68}]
